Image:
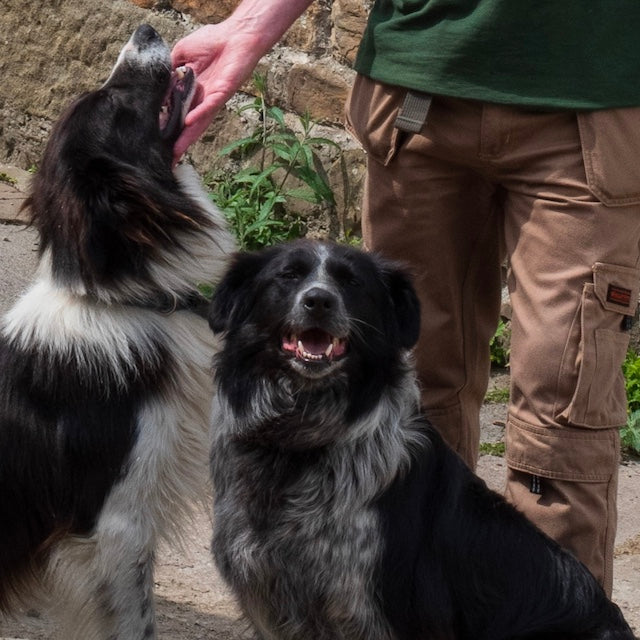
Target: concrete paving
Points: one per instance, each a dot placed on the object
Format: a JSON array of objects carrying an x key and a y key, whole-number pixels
[{"x": 186, "y": 610}]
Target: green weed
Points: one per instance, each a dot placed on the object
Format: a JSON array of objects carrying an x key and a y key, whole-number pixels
[
  {"x": 7, "y": 178},
  {"x": 630, "y": 433},
  {"x": 498, "y": 395},
  {"x": 492, "y": 448},
  {"x": 259, "y": 200},
  {"x": 499, "y": 345}
]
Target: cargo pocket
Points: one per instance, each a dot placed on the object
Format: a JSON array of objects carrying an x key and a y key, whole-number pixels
[
  {"x": 610, "y": 144},
  {"x": 371, "y": 111},
  {"x": 591, "y": 365}
]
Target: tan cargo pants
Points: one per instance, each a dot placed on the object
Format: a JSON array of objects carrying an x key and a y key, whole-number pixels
[{"x": 559, "y": 195}]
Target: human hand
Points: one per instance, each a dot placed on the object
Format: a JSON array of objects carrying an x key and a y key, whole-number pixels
[
  {"x": 223, "y": 56},
  {"x": 221, "y": 61}
]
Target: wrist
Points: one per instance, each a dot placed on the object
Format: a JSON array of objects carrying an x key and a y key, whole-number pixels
[{"x": 263, "y": 22}]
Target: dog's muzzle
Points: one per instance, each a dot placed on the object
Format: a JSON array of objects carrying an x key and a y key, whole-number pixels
[{"x": 319, "y": 329}]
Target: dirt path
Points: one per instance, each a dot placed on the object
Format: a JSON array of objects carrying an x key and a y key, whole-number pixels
[{"x": 194, "y": 604}]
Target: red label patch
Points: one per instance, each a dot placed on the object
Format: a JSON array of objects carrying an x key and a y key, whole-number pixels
[{"x": 619, "y": 295}]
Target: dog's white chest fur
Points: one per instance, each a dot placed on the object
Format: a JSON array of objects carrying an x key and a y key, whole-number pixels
[
  {"x": 171, "y": 450},
  {"x": 166, "y": 471}
]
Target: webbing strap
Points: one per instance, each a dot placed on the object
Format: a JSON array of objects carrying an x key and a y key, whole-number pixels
[{"x": 414, "y": 111}]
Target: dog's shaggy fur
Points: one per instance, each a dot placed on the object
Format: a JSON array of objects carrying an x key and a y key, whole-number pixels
[
  {"x": 105, "y": 383},
  {"x": 339, "y": 512}
]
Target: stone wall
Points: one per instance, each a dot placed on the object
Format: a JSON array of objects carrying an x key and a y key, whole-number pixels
[{"x": 52, "y": 51}]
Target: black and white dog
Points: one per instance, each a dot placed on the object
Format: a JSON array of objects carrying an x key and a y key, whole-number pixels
[
  {"x": 105, "y": 368},
  {"x": 339, "y": 512}
]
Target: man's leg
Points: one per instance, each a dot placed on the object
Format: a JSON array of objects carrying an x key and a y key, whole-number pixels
[
  {"x": 574, "y": 286},
  {"x": 424, "y": 208}
]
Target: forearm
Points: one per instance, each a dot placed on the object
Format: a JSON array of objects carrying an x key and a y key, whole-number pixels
[{"x": 267, "y": 20}]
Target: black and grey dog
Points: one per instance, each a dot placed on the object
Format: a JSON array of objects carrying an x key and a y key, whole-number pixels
[{"x": 339, "y": 511}]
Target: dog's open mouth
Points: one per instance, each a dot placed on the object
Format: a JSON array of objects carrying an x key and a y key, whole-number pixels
[
  {"x": 315, "y": 345},
  {"x": 177, "y": 101}
]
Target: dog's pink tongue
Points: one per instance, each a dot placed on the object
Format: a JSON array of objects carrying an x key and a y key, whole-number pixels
[{"x": 315, "y": 342}]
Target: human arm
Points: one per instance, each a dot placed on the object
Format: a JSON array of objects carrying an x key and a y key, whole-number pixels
[{"x": 223, "y": 56}]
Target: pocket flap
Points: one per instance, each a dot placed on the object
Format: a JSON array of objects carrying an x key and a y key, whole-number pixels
[
  {"x": 610, "y": 139},
  {"x": 617, "y": 287}
]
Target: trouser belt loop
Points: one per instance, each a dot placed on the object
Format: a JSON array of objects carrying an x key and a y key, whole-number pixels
[{"x": 414, "y": 111}]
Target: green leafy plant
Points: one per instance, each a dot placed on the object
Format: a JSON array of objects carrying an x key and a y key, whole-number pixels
[
  {"x": 255, "y": 209},
  {"x": 4, "y": 177},
  {"x": 630, "y": 434},
  {"x": 259, "y": 200},
  {"x": 492, "y": 448},
  {"x": 499, "y": 345},
  {"x": 499, "y": 395},
  {"x": 352, "y": 239}
]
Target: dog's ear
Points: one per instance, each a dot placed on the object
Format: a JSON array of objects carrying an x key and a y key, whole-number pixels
[
  {"x": 233, "y": 298},
  {"x": 406, "y": 305}
]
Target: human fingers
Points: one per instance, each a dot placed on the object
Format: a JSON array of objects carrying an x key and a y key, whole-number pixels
[
  {"x": 188, "y": 136},
  {"x": 196, "y": 123},
  {"x": 196, "y": 49}
]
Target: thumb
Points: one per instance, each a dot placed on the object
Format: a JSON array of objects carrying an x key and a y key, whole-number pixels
[{"x": 189, "y": 135}]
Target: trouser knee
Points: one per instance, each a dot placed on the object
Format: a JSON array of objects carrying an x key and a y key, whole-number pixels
[{"x": 565, "y": 481}]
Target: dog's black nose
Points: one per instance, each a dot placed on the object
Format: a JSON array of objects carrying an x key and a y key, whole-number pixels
[
  {"x": 145, "y": 34},
  {"x": 318, "y": 300}
]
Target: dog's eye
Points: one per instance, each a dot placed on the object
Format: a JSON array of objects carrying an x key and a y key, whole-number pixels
[
  {"x": 289, "y": 274},
  {"x": 347, "y": 277}
]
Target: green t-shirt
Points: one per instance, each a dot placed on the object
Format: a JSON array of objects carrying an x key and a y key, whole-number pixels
[{"x": 577, "y": 54}]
